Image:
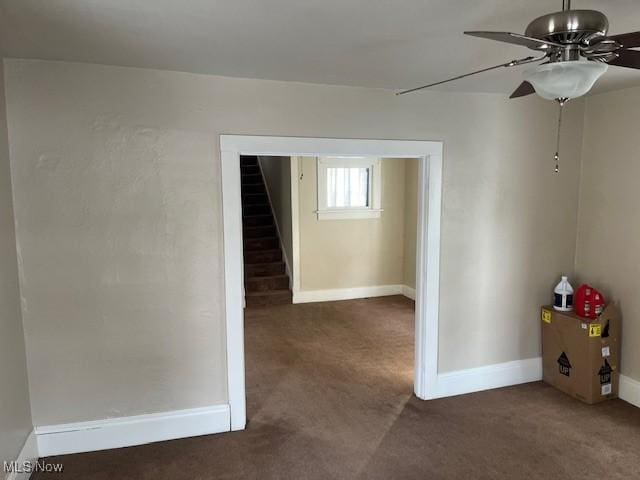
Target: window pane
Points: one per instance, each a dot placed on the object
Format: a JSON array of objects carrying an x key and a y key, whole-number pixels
[{"x": 347, "y": 187}]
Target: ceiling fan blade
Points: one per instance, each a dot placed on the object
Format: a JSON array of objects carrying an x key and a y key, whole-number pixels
[
  {"x": 523, "y": 90},
  {"x": 512, "y": 63},
  {"x": 515, "y": 38},
  {"x": 601, "y": 46},
  {"x": 626, "y": 58},
  {"x": 628, "y": 40}
]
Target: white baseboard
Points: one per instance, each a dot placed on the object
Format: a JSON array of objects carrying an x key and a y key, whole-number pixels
[
  {"x": 128, "y": 431},
  {"x": 27, "y": 456},
  {"x": 409, "y": 292},
  {"x": 308, "y": 296},
  {"x": 491, "y": 376},
  {"x": 511, "y": 373},
  {"x": 629, "y": 390}
]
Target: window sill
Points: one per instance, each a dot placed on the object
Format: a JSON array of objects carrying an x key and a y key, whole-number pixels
[{"x": 352, "y": 214}]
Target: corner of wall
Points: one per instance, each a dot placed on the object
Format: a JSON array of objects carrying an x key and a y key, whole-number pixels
[
  {"x": 18, "y": 366},
  {"x": 580, "y": 185},
  {"x": 15, "y": 228},
  {"x": 410, "y": 195}
]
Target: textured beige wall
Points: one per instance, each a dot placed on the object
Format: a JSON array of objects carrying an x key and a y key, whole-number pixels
[
  {"x": 118, "y": 201},
  {"x": 410, "y": 220},
  {"x": 15, "y": 412},
  {"x": 352, "y": 253},
  {"x": 608, "y": 252},
  {"x": 117, "y": 197},
  {"x": 277, "y": 175}
]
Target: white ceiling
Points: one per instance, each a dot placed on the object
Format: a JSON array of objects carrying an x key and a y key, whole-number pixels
[{"x": 375, "y": 43}]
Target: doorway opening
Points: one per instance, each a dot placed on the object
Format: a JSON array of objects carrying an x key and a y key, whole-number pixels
[
  {"x": 429, "y": 171},
  {"x": 349, "y": 327}
]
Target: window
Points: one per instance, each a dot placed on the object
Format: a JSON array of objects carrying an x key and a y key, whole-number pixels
[{"x": 348, "y": 188}]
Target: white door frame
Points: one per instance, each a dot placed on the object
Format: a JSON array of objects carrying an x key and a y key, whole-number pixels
[{"x": 427, "y": 251}]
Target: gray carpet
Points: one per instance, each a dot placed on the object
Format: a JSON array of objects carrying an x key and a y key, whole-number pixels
[{"x": 329, "y": 397}]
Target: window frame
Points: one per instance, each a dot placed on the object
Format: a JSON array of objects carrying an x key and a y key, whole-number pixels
[{"x": 324, "y": 212}]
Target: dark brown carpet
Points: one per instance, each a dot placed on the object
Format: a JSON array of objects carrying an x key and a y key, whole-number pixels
[{"x": 329, "y": 397}]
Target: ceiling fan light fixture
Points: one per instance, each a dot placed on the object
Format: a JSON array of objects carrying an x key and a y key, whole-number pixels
[{"x": 570, "y": 79}]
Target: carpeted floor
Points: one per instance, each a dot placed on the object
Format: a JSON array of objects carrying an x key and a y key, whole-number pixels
[{"x": 329, "y": 397}]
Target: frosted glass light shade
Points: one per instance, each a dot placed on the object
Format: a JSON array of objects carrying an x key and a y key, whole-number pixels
[{"x": 564, "y": 79}]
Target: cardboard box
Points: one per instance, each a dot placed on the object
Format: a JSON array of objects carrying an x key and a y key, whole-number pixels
[{"x": 580, "y": 356}]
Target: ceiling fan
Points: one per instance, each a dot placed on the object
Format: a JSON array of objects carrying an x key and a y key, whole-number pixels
[{"x": 574, "y": 50}]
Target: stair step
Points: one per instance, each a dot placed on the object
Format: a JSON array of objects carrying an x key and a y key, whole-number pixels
[
  {"x": 253, "y": 188},
  {"x": 264, "y": 269},
  {"x": 251, "y": 179},
  {"x": 257, "y": 220},
  {"x": 255, "y": 199},
  {"x": 263, "y": 256},
  {"x": 260, "y": 231},
  {"x": 249, "y": 169},
  {"x": 274, "y": 297},
  {"x": 264, "y": 243},
  {"x": 266, "y": 284},
  {"x": 249, "y": 210},
  {"x": 246, "y": 160}
]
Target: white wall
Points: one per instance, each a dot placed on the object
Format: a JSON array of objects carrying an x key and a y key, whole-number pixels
[
  {"x": 15, "y": 411},
  {"x": 117, "y": 197},
  {"x": 277, "y": 177},
  {"x": 608, "y": 249}
]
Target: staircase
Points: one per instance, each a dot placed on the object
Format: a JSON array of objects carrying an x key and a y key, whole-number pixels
[{"x": 265, "y": 279}]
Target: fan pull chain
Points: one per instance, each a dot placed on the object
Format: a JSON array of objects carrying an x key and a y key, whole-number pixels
[{"x": 556, "y": 157}]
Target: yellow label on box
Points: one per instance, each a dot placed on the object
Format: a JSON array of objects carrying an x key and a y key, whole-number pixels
[
  {"x": 595, "y": 330},
  {"x": 546, "y": 316}
]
